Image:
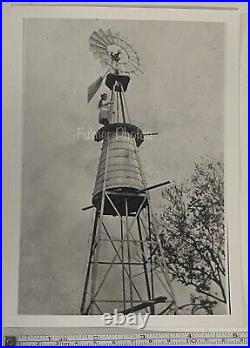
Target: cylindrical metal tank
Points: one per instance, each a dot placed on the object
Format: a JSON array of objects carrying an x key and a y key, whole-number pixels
[{"x": 123, "y": 173}]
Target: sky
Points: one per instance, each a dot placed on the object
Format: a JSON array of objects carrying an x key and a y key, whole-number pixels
[{"x": 180, "y": 95}]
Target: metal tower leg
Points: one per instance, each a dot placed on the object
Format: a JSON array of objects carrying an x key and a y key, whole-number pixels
[
  {"x": 122, "y": 106},
  {"x": 151, "y": 252},
  {"x": 129, "y": 257},
  {"x": 123, "y": 267},
  {"x": 145, "y": 266},
  {"x": 96, "y": 253},
  {"x": 92, "y": 250}
]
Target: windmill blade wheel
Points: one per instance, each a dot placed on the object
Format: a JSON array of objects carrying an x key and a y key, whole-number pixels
[{"x": 112, "y": 50}]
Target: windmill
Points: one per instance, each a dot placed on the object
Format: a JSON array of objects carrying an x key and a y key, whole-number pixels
[
  {"x": 114, "y": 54},
  {"x": 125, "y": 250}
]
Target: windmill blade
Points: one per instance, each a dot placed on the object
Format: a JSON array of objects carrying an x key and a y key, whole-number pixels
[
  {"x": 115, "y": 38},
  {"x": 133, "y": 62},
  {"x": 125, "y": 45},
  {"x": 102, "y": 33},
  {"x": 105, "y": 62},
  {"x": 135, "y": 66},
  {"x": 101, "y": 52},
  {"x": 102, "y": 37},
  {"x": 101, "y": 55},
  {"x": 138, "y": 65},
  {"x": 98, "y": 36},
  {"x": 133, "y": 55},
  {"x": 93, "y": 88},
  {"x": 95, "y": 47},
  {"x": 110, "y": 36},
  {"x": 93, "y": 42},
  {"x": 121, "y": 42},
  {"x": 97, "y": 42},
  {"x": 130, "y": 69}
]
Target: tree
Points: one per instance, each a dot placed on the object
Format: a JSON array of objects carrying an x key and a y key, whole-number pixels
[
  {"x": 198, "y": 304},
  {"x": 193, "y": 237}
]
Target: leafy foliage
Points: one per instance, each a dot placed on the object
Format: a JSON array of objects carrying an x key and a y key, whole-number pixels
[{"x": 192, "y": 234}]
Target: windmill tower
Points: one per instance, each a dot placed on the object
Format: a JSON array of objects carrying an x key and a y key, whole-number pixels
[{"x": 125, "y": 269}]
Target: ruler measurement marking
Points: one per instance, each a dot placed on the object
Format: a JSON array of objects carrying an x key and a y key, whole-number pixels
[
  {"x": 176, "y": 338},
  {"x": 122, "y": 339}
]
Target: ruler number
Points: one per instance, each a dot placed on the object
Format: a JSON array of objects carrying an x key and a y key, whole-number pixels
[
  {"x": 95, "y": 338},
  {"x": 192, "y": 340}
]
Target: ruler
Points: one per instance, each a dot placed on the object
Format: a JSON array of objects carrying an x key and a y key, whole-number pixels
[{"x": 135, "y": 339}]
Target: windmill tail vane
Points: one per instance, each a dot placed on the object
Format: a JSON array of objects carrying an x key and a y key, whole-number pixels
[{"x": 94, "y": 87}]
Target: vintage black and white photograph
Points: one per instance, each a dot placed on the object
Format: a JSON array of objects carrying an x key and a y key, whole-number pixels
[{"x": 122, "y": 204}]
